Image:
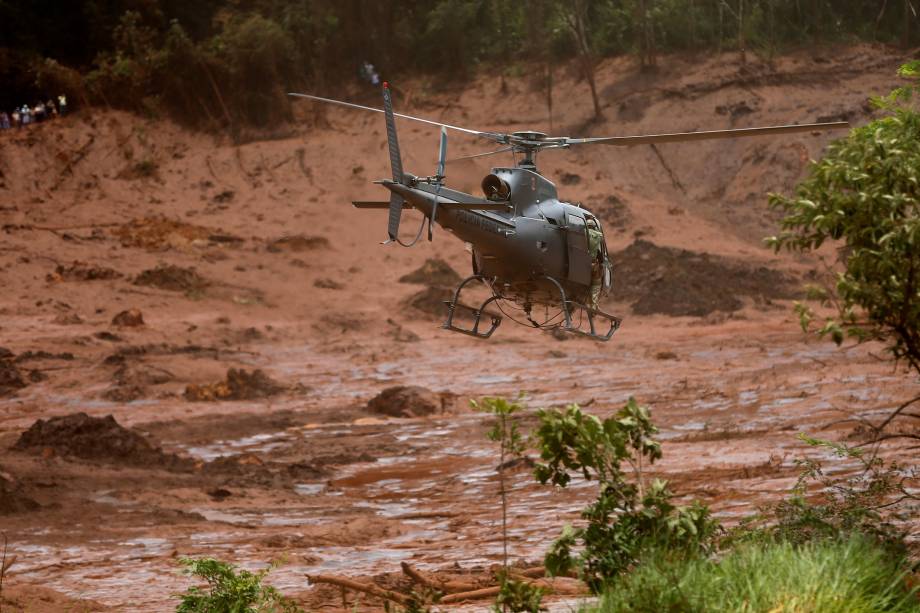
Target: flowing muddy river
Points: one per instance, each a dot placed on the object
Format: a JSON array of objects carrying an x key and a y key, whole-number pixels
[{"x": 729, "y": 401}]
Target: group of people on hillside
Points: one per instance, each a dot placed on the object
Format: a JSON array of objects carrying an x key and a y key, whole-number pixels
[{"x": 24, "y": 115}]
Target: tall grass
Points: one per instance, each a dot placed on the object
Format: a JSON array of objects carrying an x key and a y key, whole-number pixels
[{"x": 851, "y": 576}]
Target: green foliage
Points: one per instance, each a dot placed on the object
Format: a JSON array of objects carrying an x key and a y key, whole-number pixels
[
  {"x": 231, "y": 591},
  {"x": 518, "y": 596},
  {"x": 629, "y": 516},
  {"x": 845, "y": 576},
  {"x": 505, "y": 431},
  {"x": 865, "y": 196}
]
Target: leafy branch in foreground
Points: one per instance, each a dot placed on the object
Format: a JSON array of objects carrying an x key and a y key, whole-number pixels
[
  {"x": 629, "y": 516},
  {"x": 231, "y": 591}
]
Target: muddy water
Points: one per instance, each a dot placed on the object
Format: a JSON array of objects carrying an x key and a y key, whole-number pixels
[{"x": 728, "y": 408}]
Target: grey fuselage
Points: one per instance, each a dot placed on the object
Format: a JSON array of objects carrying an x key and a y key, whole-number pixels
[{"x": 532, "y": 237}]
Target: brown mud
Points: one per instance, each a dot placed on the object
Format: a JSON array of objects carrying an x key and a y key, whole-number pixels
[{"x": 250, "y": 264}]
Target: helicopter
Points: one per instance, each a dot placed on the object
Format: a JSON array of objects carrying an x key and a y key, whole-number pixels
[{"x": 529, "y": 247}]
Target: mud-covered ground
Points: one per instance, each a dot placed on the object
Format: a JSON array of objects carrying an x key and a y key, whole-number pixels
[{"x": 235, "y": 316}]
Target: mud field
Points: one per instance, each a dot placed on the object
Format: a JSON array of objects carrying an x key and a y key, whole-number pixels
[{"x": 189, "y": 358}]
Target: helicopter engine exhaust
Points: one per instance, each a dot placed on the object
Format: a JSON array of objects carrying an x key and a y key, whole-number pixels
[{"x": 496, "y": 188}]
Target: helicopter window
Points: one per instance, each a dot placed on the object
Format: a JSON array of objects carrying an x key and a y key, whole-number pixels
[{"x": 575, "y": 222}]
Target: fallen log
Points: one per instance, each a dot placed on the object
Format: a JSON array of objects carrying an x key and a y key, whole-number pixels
[
  {"x": 366, "y": 588},
  {"x": 437, "y": 584},
  {"x": 486, "y": 592}
]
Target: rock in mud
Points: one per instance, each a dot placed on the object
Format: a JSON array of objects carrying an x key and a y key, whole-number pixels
[
  {"x": 12, "y": 500},
  {"x": 434, "y": 271},
  {"x": 298, "y": 243},
  {"x": 429, "y": 302},
  {"x": 676, "y": 282},
  {"x": 239, "y": 385},
  {"x": 81, "y": 271},
  {"x": 91, "y": 438},
  {"x": 131, "y": 318},
  {"x": 410, "y": 401},
  {"x": 172, "y": 278}
]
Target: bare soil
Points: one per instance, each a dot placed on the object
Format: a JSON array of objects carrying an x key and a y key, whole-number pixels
[{"x": 253, "y": 261}]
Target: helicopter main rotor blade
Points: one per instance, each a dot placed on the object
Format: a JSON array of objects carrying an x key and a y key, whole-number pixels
[
  {"x": 480, "y": 155},
  {"x": 490, "y": 135},
  {"x": 628, "y": 141}
]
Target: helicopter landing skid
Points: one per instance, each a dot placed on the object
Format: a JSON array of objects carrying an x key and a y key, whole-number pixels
[
  {"x": 476, "y": 314},
  {"x": 595, "y": 318}
]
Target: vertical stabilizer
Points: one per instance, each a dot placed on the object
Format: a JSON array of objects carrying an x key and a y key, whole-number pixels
[{"x": 396, "y": 201}]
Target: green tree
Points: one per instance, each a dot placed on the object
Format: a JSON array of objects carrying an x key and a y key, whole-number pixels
[{"x": 864, "y": 196}]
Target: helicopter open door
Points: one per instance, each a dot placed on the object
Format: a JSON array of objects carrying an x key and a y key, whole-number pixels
[{"x": 579, "y": 258}]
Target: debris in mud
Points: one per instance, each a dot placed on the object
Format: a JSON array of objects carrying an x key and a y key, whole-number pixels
[
  {"x": 239, "y": 385},
  {"x": 92, "y": 438},
  {"x": 665, "y": 355},
  {"x": 434, "y": 271},
  {"x": 43, "y": 355},
  {"x": 225, "y": 196},
  {"x": 341, "y": 322},
  {"x": 128, "y": 319},
  {"x": 675, "y": 282},
  {"x": 141, "y": 375},
  {"x": 124, "y": 393},
  {"x": 325, "y": 283},
  {"x": 219, "y": 494},
  {"x": 10, "y": 377},
  {"x": 172, "y": 278},
  {"x": 105, "y": 335},
  {"x": 67, "y": 319},
  {"x": 569, "y": 178},
  {"x": 12, "y": 500},
  {"x": 410, "y": 401},
  {"x": 298, "y": 243},
  {"x": 401, "y": 334},
  {"x": 81, "y": 271},
  {"x": 612, "y": 211},
  {"x": 159, "y": 233},
  {"x": 248, "y": 469},
  {"x": 430, "y": 301}
]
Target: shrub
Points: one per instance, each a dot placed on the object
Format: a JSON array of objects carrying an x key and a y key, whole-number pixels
[
  {"x": 871, "y": 500},
  {"x": 231, "y": 591},
  {"x": 629, "y": 516},
  {"x": 847, "y": 576}
]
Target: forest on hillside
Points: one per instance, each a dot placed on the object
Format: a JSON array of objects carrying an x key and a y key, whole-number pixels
[{"x": 218, "y": 64}]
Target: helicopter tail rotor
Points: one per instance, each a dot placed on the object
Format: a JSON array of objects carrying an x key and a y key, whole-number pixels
[{"x": 439, "y": 177}]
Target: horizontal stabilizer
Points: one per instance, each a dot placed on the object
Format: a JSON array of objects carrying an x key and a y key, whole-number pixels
[{"x": 367, "y": 204}]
